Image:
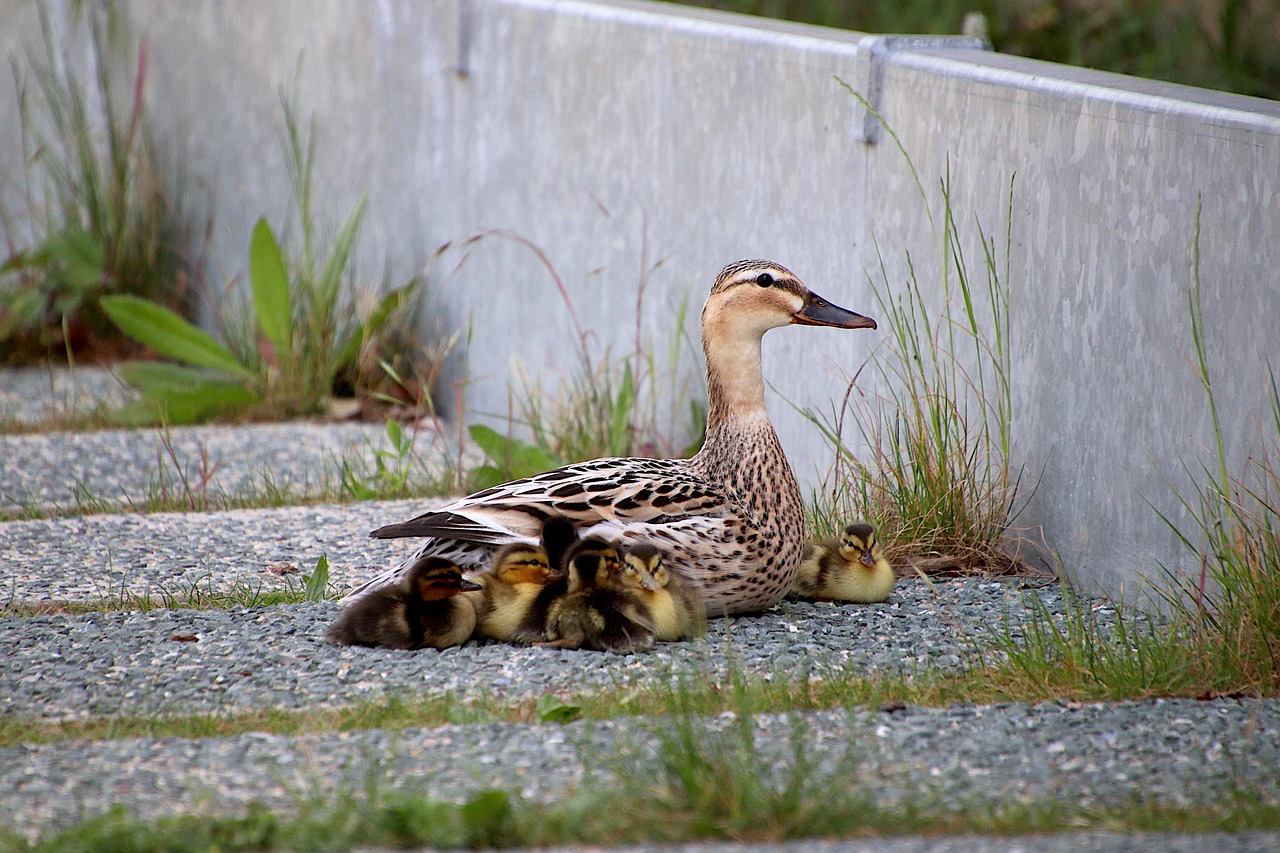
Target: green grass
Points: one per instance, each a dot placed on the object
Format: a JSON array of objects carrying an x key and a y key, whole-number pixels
[
  {"x": 1230, "y": 609},
  {"x": 294, "y": 587},
  {"x": 607, "y": 404},
  {"x": 1220, "y": 44},
  {"x": 704, "y": 781},
  {"x": 624, "y": 815}
]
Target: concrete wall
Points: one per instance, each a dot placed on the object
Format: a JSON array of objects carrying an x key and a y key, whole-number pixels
[{"x": 650, "y": 142}]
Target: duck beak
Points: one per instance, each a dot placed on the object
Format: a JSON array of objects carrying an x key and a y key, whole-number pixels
[
  {"x": 817, "y": 311},
  {"x": 868, "y": 559},
  {"x": 469, "y": 586}
]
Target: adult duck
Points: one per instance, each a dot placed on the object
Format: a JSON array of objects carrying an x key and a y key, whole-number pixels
[{"x": 731, "y": 517}]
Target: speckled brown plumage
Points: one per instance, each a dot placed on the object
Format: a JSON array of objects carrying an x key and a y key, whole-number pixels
[{"x": 731, "y": 518}]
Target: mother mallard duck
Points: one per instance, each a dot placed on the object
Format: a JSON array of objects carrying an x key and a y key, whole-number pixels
[{"x": 731, "y": 517}]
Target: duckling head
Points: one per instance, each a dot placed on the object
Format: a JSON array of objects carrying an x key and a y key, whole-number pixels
[
  {"x": 435, "y": 578},
  {"x": 592, "y": 562},
  {"x": 859, "y": 541},
  {"x": 521, "y": 563},
  {"x": 645, "y": 561},
  {"x": 751, "y": 297}
]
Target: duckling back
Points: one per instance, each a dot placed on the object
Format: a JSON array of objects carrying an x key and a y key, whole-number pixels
[
  {"x": 427, "y": 610},
  {"x": 599, "y": 610}
]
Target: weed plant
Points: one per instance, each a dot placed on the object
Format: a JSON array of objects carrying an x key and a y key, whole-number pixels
[
  {"x": 1231, "y": 608},
  {"x": 935, "y": 476},
  {"x": 287, "y": 347},
  {"x": 1220, "y": 634},
  {"x": 97, "y": 217},
  {"x": 607, "y": 405}
]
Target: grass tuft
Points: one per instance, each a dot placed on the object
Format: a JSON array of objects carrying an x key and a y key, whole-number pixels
[{"x": 930, "y": 465}]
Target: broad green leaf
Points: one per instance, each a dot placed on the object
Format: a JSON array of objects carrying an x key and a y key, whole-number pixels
[
  {"x": 485, "y": 477},
  {"x": 269, "y": 281},
  {"x": 185, "y": 407},
  {"x": 395, "y": 434},
  {"x": 520, "y": 458},
  {"x": 156, "y": 377},
  {"x": 168, "y": 334},
  {"x": 489, "y": 440},
  {"x": 551, "y": 710},
  {"x": 78, "y": 254},
  {"x": 318, "y": 581}
]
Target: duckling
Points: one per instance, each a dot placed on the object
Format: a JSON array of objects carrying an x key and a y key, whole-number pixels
[
  {"x": 426, "y": 610},
  {"x": 523, "y": 582},
  {"x": 600, "y": 609},
  {"x": 520, "y": 572},
  {"x": 852, "y": 568},
  {"x": 679, "y": 611}
]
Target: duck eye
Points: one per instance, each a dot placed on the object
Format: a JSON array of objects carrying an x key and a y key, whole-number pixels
[{"x": 764, "y": 280}]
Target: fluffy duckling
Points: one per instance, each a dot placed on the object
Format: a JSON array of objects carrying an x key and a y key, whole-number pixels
[
  {"x": 426, "y": 610},
  {"x": 851, "y": 568},
  {"x": 600, "y": 609},
  {"x": 679, "y": 610},
  {"x": 523, "y": 583},
  {"x": 511, "y": 587}
]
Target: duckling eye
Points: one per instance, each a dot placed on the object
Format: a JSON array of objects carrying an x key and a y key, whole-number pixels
[{"x": 764, "y": 280}]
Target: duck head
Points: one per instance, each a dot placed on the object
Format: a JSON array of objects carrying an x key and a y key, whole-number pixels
[{"x": 751, "y": 297}]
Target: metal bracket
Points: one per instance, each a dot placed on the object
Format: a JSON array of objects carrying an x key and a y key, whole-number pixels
[{"x": 869, "y": 75}]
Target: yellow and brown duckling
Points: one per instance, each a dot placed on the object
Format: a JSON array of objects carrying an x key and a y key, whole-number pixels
[
  {"x": 849, "y": 568},
  {"x": 523, "y": 582},
  {"x": 427, "y": 610},
  {"x": 676, "y": 602},
  {"x": 600, "y": 609}
]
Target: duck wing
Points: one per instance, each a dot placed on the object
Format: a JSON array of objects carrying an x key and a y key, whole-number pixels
[
  {"x": 621, "y": 497},
  {"x": 588, "y": 493}
]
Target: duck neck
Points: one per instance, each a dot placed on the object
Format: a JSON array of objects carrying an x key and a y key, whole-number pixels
[{"x": 735, "y": 392}]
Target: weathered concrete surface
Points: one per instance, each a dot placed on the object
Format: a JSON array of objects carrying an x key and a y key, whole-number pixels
[{"x": 639, "y": 142}]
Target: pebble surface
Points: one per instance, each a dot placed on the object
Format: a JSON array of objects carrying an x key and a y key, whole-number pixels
[
  {"x": 173, "y": 661},
  {"x": 55, "y": 472},
  {"x": 1174, "y": 752},
  {"x": 128, "y": 662}
]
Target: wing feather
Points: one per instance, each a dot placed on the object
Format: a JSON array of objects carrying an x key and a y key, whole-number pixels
[{"x": 631, "y": 499}]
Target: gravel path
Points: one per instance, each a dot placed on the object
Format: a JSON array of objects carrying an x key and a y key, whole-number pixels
[
  {"x": 127, "y": 663},
  {"x": 123, "y": 467},
  {"x": 32, "y": 394},
  {"x": 86, "y": 558},
  {"x": 1172, "y": 752}
]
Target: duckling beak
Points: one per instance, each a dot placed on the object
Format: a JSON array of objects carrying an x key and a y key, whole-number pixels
[
  {"x": 868, "y": 559},
  {"x": 469, "y": 586},
  {"x": 648, "y": 582},
  {"x": 817, "y": 311}
]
